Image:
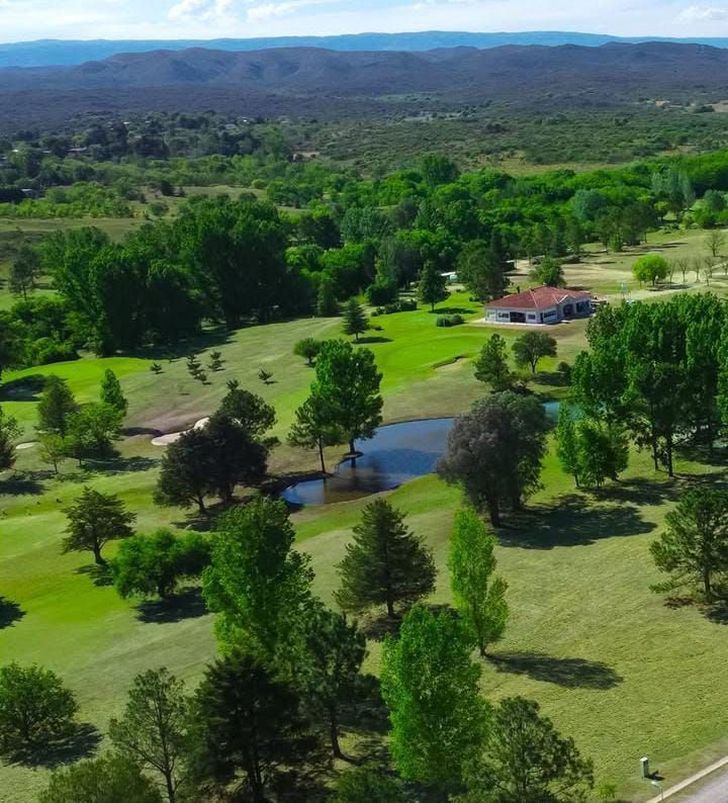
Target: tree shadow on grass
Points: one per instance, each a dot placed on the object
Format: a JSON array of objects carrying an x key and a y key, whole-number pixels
[
  {"x": 25, "y": 389},
  {"x": 81, "y": 741},
  {"x": 451, "y": 311},
  {"x": 639, "y": 492},
  {"x": 571, "y": 522},
  {"x": 100, "y": 575},
  {"x": 186, "y": 604},
  {"x": 373, "y": 339},
  {"x": 10, "y": 613},
  {"x": 131, "y": 432},
  {"x": 25, "y": 484},
  {"x": 571, "y": 673},
  {"x": 717, "y": 612},
  {"x": 125, "y": 465}
]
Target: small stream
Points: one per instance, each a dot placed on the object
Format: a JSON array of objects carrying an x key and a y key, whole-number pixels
[{"x": 397, "y": 453}]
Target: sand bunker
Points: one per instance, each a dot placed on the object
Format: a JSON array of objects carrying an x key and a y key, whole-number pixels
[{"x": 165, "y": 440}]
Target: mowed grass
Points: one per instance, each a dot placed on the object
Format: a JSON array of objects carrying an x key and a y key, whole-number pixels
[{"x": 608, "y": 661}]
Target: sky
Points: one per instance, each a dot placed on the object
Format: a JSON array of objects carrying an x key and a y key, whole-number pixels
[{"x": 22, "y": 20}]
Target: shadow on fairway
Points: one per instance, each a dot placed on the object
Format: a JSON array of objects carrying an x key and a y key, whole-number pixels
[
  {"x": 100, "y": 575},
  {"x": 571, "y": 673},
  {"x": 187, "y": 604},
  {"x": 373, "y": 339},
  {"x": 10, "y": 613},
  {"x": 25, "y": 484},
  {"x": 571, "y": 522},
  {"x": 25, "y": 389},
  {"x": 81, "y": 742}
]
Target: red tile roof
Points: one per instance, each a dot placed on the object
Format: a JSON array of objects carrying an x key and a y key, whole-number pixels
[{"x": 539, "y": 298}]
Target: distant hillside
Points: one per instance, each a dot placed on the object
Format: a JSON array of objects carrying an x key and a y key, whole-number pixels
[
  {"x": 301, "y": 81},
  {"x": 45, "y": 53}
]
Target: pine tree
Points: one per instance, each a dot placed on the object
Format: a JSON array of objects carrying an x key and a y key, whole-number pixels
[
  {"x": 111, "y": 392},
  {"x": 432, "y": 287},
  {"x": 479, "y": 596},
  {"x": 491, "y": 366},
  {"x": 327, "y": 671},
  {"x": 355, "y": 319},
  {"x": 385, "y": 564}
]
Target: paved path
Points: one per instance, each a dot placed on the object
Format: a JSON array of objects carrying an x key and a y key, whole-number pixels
[{"x": 713, "y": 790}]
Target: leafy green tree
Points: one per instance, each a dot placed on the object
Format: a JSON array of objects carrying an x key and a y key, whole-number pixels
[
  {"x": 549, "y": 272},
  {"x": 9, "y": 431},
  {"x": 567, "y": 443},
  {"x": 152, "y": 732},
  {"x": 385, "y": 564},
  {"x": 694, "y": 545},
  {"x": 479, "y": 596},
  {"x": 53, "y": 449},
  {"x": 491, "y": 366},
  {"x": 430, "y": 684},
  {"x": 257, "y": 583},
  {"x": 715, "y": 241},
  {"x": 36, "y": 710},
  {"x": 432, "y": 287},
  {"x": 94, "y": 519},
  {"x": 55, "y": 407},
  {"x": 496, "y": 452},
  {"x": 355, "y": 319},
  {"x": 156, "y": 563},
  {"x": 531, "y": 347},
  {"x": 185, "y": 477},
  {"x": 239, "y": 457},
  {"x": 328, "y": 670},
  {"x": 308, "y": 348},
  {"x": 24, "y": 271},
  {"x": 251, "y": 412},
  {"x": 247, "y": 725},
  {"x": 603, "y": 451},
  {"x": 91, "y": 430},
  {"x": 326, "y": 303},
  {"x": 482, "y": 269},
  {"x": 436, "y": 169},
  {"x": 526, "y": 760},
  {"x": 650, "y": 268},
  {"x": 347, "y": 389},
  {"x": 312, "y": 429},
  {"x": 368, "y": 784},
  {"x": 112, "y": 394},
  {"x": 107, "y": 779}
]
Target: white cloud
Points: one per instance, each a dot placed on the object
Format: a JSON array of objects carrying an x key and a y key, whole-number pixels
[
  {"x": 199, "y": 9},
  {"x": 704, "y": 14},
  {"x": 267, "y": 11}
]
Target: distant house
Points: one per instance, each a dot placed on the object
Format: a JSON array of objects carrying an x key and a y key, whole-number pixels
[{"x": 540, "y": 305}]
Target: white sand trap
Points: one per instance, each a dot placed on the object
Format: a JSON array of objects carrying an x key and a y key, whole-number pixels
[
  {"x": 21, "y": 447},
  {"x": 172, "y": 437}
]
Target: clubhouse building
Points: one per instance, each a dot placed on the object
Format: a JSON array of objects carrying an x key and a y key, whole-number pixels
[{"x": 540, "y": 305}]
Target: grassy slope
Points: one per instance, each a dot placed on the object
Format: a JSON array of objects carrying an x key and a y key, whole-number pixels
[{"x": 582, "y": 593}]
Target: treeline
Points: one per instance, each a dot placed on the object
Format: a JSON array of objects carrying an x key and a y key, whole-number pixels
[{"x": 242, "y": 261}]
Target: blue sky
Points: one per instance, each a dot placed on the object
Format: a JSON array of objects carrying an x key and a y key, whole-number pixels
[{"x": 172, "y": 19}]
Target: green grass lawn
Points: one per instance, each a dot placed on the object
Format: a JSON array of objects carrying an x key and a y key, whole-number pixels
[{"x": 609, "y": 662}]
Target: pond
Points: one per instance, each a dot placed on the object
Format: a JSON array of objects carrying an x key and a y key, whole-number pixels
[{"x": 397, "y": 453}]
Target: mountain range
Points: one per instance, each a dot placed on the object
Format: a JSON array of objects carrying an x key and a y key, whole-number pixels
[
  {"x": 316, "y": 81},
  {"x": 49, "y": 52}
]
